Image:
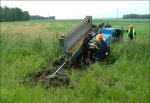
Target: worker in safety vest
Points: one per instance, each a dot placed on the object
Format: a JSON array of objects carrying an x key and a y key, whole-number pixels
[
  {"x": 131, "y": 32},
  {"x": 101, "y": 48}
]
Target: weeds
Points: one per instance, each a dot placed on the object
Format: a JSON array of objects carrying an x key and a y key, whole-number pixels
[{"x": 125, "y": 78}]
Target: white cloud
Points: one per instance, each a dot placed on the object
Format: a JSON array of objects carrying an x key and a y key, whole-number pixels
[{"x": 79, "y": 9}]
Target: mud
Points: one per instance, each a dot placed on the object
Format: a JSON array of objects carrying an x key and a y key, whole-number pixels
[
  {"x": 44, "y": 78},
  {"x": 60, "y": 79}
]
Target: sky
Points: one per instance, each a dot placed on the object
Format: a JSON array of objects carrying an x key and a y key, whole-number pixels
[{"x": 79, "y": 9}]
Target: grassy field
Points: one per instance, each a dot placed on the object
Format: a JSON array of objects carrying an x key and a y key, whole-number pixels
[{"x": 27, "y": 46}]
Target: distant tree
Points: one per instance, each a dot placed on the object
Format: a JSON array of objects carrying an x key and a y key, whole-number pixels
[
  {"x": 13, "y": 14},
  {"x": 26, "y": 16},
  {"x": 37, "y": 17},
  {"x": 1, "y": 16},
  {"x": 16, "y": 14},
  {"x": 5, "y": 13},
  {"x": 52, "y": 17},
  {"x": 19, "y": 14},
  {"x": 136, "y": 16}
]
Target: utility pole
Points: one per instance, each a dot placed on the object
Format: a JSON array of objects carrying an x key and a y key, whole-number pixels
[
  {"x": 117, "y": 14},
  {"x": 48, "y": 15}
]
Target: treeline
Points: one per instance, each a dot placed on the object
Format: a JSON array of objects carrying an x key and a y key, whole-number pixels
[
  {"x": 13, "y": 14},
  {"x": 16, "y": 14},
  {"x": 136, "y": 16},
  {"x": 37, "y": 17}
]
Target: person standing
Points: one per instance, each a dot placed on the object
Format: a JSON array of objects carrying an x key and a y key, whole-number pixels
[{"x": 131, "y": 32}]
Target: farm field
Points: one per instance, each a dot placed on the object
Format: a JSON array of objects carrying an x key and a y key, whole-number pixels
[{"x": 28, "y": 46}]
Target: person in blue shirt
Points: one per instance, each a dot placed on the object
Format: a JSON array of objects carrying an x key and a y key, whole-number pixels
[{"x": 102, "y": 49}]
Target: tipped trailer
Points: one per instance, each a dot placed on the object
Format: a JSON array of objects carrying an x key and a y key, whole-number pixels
[{"x": 76, "y": 51}]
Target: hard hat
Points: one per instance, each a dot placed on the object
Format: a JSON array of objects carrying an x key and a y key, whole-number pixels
[
  {"x": 100, "y": 36},
  {"x": 131, "y": 26}
]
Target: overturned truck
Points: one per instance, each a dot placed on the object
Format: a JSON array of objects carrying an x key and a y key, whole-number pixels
[{"x": 76, "y": 51}]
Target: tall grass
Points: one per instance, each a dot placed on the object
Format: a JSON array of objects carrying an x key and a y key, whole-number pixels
[{"x": 123, "y": 78}]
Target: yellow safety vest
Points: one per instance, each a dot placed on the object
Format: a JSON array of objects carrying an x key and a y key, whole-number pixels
[
  {"x": 95, "y": 40},
  {"x": 129, "y": 32}
]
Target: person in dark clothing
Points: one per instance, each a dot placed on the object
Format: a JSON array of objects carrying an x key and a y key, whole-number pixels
[
  {"x": 101, "y": 49},
  {"x": 131, "y": 32}
]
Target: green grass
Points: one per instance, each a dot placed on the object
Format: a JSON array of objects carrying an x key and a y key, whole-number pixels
[{"x": 28, "y": 46}]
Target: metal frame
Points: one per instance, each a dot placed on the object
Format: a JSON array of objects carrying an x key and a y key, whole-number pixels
[{"x": 69, "y": 39}]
